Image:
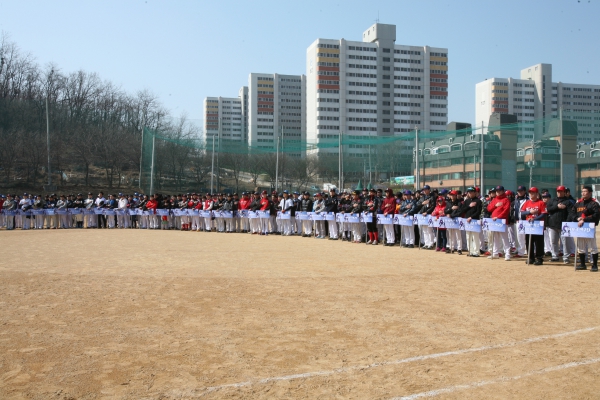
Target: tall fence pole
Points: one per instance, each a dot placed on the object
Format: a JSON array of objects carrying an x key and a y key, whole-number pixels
[
  {"x": 277, "y": 165},
  {"x": 48, "y": 141},
  {"x": 481, "y": 161},
  {"x": 141, "y": 159},
  {"x": 212, "y": 167},
  {"x": 152, "y": 165},
  {"x": 417, "y": 166}
]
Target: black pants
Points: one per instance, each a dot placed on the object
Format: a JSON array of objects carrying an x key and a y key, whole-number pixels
[
  {"x": 101, "y": 221},
  {"x": 537, "y": 247},
  {"x": 372, "y": 226}
]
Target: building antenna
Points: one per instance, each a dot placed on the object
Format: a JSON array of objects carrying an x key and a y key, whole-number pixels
[{"x": 377, "y": 20}]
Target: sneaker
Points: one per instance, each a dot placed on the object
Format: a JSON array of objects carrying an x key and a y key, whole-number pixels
[
  {"x": 538, "y": 262},
  {"x": 566, "y": 262},
  {"x": 572, "y": 255},
  {"x": 369, "y": 242},
  {"x": 548, "y": 254},
  {"x": 487, "y": 253},
  {"x": 594, "y": 268},
  {"x": 554, "y": 259},
  {"x": 374, "y": 243},
  {"x": 411, "y": 246},
  {"x": 475, "y": 255},
  {"x": 491, "y": 257},
  {"x": 580, "y": 267},
  {"x": 460, "y": 252},
  {"x": 517, "y": 256},
  {"x": 482, "y": 253},
  {"x": 507, "y": 258},
  {"x": 437, "y": 249}
]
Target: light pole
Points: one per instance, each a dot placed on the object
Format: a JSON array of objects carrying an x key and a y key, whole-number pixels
[
  {"x": 48, "y": 132},
  {"x": 531, "y": 163}
]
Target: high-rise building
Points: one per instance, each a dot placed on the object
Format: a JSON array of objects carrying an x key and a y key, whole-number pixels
[
  {"x": 373, "y": 88},
  {"x": 535, "y": 98},
  {"x": 276, "y": 108},
  {"x": 224, "y": 118}
]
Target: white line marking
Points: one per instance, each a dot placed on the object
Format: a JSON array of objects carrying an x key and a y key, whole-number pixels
[
  {"x": 451, "y": 389},
  {"x": 395, "y": 362}
]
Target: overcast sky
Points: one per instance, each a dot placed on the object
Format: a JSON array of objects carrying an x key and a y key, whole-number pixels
[{"x": 183, "y": 51}]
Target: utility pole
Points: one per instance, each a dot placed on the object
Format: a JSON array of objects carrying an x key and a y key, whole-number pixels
[
  {"x": 562, "y": 145},
  {"x": 340, "y": 159},
  {"x": 277, "y": 165},
  {"x": 212, "y": 167},
  {"x": 48, "y": 141},
  {"x": 218, "y": 153},
  {"x": 481, "y": 180},
  {"x": 417, "y": 166},
  {"x": 152, "y": 165}
]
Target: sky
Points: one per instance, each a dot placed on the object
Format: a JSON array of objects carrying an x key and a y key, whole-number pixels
[{"x": 183, "y": 51}]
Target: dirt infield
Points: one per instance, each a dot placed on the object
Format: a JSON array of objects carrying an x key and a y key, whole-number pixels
[{"x": 168, "y": 315}]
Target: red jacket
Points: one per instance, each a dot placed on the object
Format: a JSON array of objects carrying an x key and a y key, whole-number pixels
[
  {"x": 499, "y": 207},
  {"x": 539, "y": 205},
  {"x": 152, "y": 205},
  {"x": 245, "y": 204},
  {"x": 388, "y": 205},
  {"x": 440, "y": 209},
  {"x": 265, "y": 204}
]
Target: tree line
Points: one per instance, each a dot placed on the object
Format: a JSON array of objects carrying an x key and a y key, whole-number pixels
[{"x": 96, "y": 137}]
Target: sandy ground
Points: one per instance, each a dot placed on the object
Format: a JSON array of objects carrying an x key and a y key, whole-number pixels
[{"x": 167, "y": 315}]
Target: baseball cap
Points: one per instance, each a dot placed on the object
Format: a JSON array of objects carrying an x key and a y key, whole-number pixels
[
  {"x": 426, "y": 187},
  {"x": 546, "y": 195},
  {"x": 471, "y": 189},
  {"x": 264, "y": 192},
  {"x": 521, "y": 188},
  {"x": 561, "y": 189},
  {"x": 509, "y": 193},
  {"x": 444, "y": 191},
  {"x": 453, "y": 192},
  {"x": 408, "y": 192},
  {"x": 492, "y": 190},
  {"x": 500, "y": 187},
  {"x": 534, "y": 190}
]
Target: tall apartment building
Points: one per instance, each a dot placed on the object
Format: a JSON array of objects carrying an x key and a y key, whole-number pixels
[
  {"x": 374, "y": 88},
  {"x": 277, "y": 108},
  {"x": 535, "y": 97},
  {"x": 224, "y": 119}
]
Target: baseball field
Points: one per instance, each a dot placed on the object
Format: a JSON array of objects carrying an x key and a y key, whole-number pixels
[{"x": 135, "y": 314}]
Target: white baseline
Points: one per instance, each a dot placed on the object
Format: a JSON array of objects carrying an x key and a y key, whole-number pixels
[
  {"x": 395, "y": 362},
  {"x": 451, "y": 389}
]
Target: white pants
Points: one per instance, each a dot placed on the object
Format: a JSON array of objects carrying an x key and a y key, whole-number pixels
[
  {"x": 64, "y": 221},
  {"x": 320, "y": 228},
  {"x": 245, "y": 224},
  {"x": 307, "y": 227},
  {"x": 286, "y": 226},
  {"x": 390, "y": 235},
  {"x": 501, "y": 240},
  {"x": 229, "y": 224},
  {"x": 264, "y": 225},
  {"x": 454, "y": 239},
  {"x": 408, "y": 234},
  {"x": 39, "y": 222},
  {"x": 255, "y": 225},
  {"x": 520, "y": 244},
  {"x": 357, "y": 231},
  {"x": 333, "y": 229},
  {"x": 427, "y": 235},
  {"x": 585, "y": 245},
  {"x": 473, "y": 243},
  {"x": 207, "y": 223},
  {"x": 547, "y": 243},
  {"x": 26, "y": 222}
]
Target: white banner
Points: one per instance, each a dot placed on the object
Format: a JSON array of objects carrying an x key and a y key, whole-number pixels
[
  {"x": 400, "y": 219},
  {"x": 531, "y": 227},
  {"x": 284, "y": 215},
  {"x": 223, "y": 214},
  {"x": 473, "y": 226},
  {"x": 385, "y": 219},
  {"x": 264, "y": 214},
  {"x": 572, "y": 229},
  {"x": 499, "y": 225}
]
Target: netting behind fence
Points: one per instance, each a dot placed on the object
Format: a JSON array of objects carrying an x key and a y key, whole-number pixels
[{"x": 176, "y": 162}]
